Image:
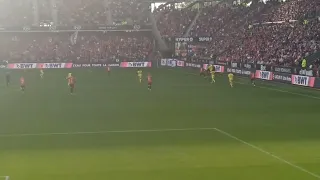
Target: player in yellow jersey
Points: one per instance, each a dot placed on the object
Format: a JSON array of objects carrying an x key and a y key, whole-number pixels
[
  {"x": 41, "y": 73},
  {"x": 213, "y": 77},
  {"x": 230, "y": 76},
  {"x": 69, "y": 76},
  {"x": 139, "y": 73},
  {"x": 210, "y": 68}
]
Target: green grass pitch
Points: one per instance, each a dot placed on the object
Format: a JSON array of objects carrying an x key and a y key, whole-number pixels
[{"x": 114, "y": 128}]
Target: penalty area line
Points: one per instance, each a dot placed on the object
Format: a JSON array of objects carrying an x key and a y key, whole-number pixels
[
  {"x": 268, "y": 153},
  {"x": 106, "y": 132}
]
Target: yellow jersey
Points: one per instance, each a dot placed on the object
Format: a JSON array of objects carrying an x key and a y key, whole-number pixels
[
  {"x": 210, "y": 68},
  {"x": 139, "y": 73},
  {"x": 230, "y": 76}
]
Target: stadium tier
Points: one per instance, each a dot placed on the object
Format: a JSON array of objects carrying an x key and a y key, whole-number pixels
[
  {"x": 148, "y": 90},
  {"x": 270, "y": 32}
]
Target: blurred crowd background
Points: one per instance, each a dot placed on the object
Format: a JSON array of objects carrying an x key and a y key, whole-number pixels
[{"x": 265, "y": 32}]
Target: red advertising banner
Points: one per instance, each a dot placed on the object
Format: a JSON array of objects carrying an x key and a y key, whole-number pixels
[
  {"x": 266, "y": 75},
  {"x": 135, "y": 64},
  {"x": 39, "y": 65},
  {"x": 180, "y": 63},
  {"x": 303, "y": 80},
  {"x": 54, "y": 65}
]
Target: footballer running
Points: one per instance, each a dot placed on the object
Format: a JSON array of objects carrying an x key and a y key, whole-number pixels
[
  {"x": 108, "y": 70},
  {"x": 8, "y": 79},
  {"x": 149, "y": 81},
  {"x": 71, "y": 82},
  {"x": 202, "y": 73},
  {"x": 230, "y": 76},
  {"x": 213, "y": 71},
  {"x": 41, "y": 73},
  {"x": 252, "y": 78},
  {"x": 139, "y": 73},
  {"x": 22, "y": 84}
]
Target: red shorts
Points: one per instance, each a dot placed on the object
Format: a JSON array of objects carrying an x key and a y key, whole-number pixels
[
  {"x": 71, "y": 85},
  {"x": 149, "y": 83}
]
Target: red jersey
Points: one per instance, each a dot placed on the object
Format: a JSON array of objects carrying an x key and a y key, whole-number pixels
[
  {"x": 252, "y": 75},
  {"x": 71, "y": 80},
  {"x": 149, "y": 79},
  {"x": 22, "y": 81}
]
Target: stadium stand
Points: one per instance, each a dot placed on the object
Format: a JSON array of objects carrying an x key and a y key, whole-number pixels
[
  {"x": 270, "y": 32},
  {"x": 64, "y": 46}
]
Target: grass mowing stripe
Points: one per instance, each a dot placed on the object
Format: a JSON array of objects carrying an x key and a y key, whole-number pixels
[
  {"x": 267, "y": 153},
  {"x": 105, "y": 132},
  {"x": 272, "y": 89}
]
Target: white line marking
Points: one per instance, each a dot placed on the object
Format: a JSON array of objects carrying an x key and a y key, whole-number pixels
[
  {"x": 267, "y": 153},
  {"x": 273, "y": 89},
  {"x": 105, "y": 132},
  {"x": 5, "y": 177}
]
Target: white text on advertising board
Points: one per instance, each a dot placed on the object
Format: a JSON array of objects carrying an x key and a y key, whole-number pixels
[
  {"x": 264, "y": 75},
  {"x": 301, "y": 80},
  {"x": 25, "y": 66},
  {"x": 53, "y": 65},
  {"x": 136, "y": 64}
]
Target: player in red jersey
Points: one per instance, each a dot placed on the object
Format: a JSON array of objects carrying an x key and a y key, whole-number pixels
[
  {"x": 22, "y": 84},
  {"x": 252, "y": 78},
  {"x": 149, "y": 81},
  {"x": 71, "y": 82},
  {"x": 202, "y": 72},
  {"x": 109, "y": 70}
]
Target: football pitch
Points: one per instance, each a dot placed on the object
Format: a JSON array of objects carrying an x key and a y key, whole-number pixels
[{"x": 185, "y": 128}]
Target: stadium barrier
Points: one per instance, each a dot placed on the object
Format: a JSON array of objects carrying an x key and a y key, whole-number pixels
[
  {"x": 39, "y": 65},
  {"x": 94, "y": 65},
  {"x": 172, "y": 63},
  {"x": 289, "y": 75},
  {"x": 135, "y": 64},
  {"x": 76, "y": 65}
]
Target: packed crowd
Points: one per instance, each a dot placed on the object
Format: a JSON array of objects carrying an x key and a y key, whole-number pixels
[
  {"x": 73, "y": 46},
  {"x": 174, "y": 22},
  {"x": 238, "y": 32},
  {"x": 241, "y": 32},
  {"x": 84, "y": 12},
  {"x": 283, "y": 44},
  {"x": 71, "y": 13},
  {"x": 79, "y": 47}
]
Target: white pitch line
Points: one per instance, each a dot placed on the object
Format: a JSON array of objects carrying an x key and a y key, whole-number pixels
[
  {"x": 272, "y": 89},
  {"x": 105, "y": 132},
  {"x": 5, "y": 177},
  {"x": 267, "y": 153}
]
